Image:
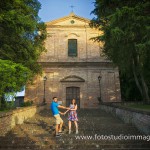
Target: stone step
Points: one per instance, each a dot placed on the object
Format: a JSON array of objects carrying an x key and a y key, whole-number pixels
[
  {"x": 39, "y": 133},
  {"x": 99, "y": 146},
  {"x": 71, "y": 139},
  {"x": 18, "y": 146},
  {"x": 79, "y": 146}
]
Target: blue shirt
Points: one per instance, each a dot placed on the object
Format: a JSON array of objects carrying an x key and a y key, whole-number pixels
[{"x": 54, "y": 108}]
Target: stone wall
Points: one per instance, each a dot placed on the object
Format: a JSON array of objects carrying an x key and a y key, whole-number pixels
[
  {"x": 140, "y": 119},
  {"x": 10, "y": 119},
  {"x": 56, "y": 85}
]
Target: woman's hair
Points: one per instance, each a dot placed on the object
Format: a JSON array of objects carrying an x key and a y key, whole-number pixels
[{"x": 75, "y": 101}]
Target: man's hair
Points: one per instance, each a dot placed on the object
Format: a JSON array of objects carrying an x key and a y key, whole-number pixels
[{"x": 54, "y": 97}]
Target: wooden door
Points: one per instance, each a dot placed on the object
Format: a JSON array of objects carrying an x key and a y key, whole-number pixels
[{"x": 72, "y": 93}]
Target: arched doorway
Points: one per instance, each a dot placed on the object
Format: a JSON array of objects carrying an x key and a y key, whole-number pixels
[{"x": 72, "y": 93}]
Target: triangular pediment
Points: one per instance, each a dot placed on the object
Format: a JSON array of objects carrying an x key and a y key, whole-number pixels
[
  {"x": 72, "y": 78},
  {"x": 71, "y": 19}
]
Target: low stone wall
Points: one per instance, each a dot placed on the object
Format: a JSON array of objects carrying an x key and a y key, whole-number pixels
[
  {"x": 140, "y": 119},
  {"x": 10, "y": 119}
]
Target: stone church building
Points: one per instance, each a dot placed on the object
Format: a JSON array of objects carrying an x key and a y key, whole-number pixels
[{"x": 72, "y": 64}]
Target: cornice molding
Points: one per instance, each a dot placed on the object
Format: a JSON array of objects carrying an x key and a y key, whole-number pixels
[
  {"x": 67, "y": 35},
  {"x": 108, "y": 64},
  {"x": 68, "y": 26},
  {"x": 72, "y": 78},
  {"x": 71, "y": 16}
]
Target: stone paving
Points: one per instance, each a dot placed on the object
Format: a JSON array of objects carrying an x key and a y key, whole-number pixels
[{"x": 38, "y": 133}]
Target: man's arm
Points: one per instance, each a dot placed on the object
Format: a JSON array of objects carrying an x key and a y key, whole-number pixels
[
  {"x": 61, "y": 113},
  {"x": 63, "y": 107}
]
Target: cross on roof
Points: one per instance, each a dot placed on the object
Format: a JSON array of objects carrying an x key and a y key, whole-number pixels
[{"x": 72, "y": 8}]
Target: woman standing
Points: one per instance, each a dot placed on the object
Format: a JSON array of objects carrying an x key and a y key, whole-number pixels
[{"x": 72, "y": 116}]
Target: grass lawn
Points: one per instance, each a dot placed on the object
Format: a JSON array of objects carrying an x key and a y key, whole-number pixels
[
  {"x": 139, "y": 107},
  {"x": 4, "y": 111}
]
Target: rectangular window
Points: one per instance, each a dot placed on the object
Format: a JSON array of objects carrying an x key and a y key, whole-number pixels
[{"x": 72, "y": 47}]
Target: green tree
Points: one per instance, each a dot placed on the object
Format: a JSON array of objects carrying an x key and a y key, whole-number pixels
[
  {"x": 126, "y": 28},
  {"x": 12, "y": 77},
  {"x": 22, "y": 36},
  {"x": 22, "y": 33}
]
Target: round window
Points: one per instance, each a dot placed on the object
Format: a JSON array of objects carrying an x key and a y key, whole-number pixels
[{"x": 72, "y": 21}]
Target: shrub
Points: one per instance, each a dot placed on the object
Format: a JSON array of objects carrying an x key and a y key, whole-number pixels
[{"x": 26, "y": 104}]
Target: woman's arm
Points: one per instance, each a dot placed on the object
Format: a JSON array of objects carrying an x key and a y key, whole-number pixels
[{"x": 66, "y": 111}]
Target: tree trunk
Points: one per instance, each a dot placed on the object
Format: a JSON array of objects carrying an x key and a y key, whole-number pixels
[
  {"x": 137, "y": 80},
  {"x": 145, "y": 90},
  {"x": 3, "y": 102},
  {"x": 140, "y": 82}
]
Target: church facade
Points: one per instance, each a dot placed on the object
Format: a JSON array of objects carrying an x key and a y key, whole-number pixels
[{"x": 74, "y": 66}]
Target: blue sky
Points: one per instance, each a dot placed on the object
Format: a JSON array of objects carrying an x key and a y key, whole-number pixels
[{"x": 54, "y": 9}]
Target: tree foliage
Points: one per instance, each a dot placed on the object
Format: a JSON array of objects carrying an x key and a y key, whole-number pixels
[
  {"x": 126, "y": 27},
  {"x": 12, "y": 76},
  {"x": 22, "y": 36},
  {"x": 20, "y": 26}
]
